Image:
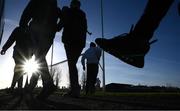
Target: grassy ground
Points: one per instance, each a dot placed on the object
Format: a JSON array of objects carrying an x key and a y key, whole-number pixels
[
  {"x": 138, "y": 100},
  {"x": 100, "y": 100}
]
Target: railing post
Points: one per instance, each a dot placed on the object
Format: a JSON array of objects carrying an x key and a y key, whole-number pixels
[{"x": 103, "y": 55}]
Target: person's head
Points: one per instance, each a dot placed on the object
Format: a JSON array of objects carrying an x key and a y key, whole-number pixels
[
  {"x": 75, "y": 4},
  {"x": 92, "y": 44}
]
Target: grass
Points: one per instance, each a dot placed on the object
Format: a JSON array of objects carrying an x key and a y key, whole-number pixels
[
  {"x": 166, "y": 100},
  {"x": 112, "y": 100},
  {"x": 137, "y": 94}
]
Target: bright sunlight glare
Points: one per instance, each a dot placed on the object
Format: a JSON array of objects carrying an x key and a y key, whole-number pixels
[{"x": 31, "y": 66}]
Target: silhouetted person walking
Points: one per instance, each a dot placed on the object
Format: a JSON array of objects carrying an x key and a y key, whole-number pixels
[
  {"x": 132, "y": 47},
  {"x": 98, "y": 84},
  {"x": 92, "y": 55},
  {"x": 22, "y": 52},
  {"x": 74, "y": 26},
  {"x": 42, "y": 17}
]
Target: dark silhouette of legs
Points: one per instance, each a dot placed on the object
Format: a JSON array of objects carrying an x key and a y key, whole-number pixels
[
  {"x": 154, "y": 13},
  {"x": 92, "y": 71},
  {"x": 18, "y": 75},
  {"x": 44, "y": 39},
  {"x": 33, "y": 81},
  {"x": 73, "y": 53},
  {"x": 20, "y": 82},
  {"x": 132, "y": 47}
]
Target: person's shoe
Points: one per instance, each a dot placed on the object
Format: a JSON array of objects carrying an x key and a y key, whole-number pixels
[
  {"x": 126, "y": 48},
  {"x": 46, "y": 91},
  {"x": 74, "y": 93},
  {"x": 10, "y": 90},
  {"x": 19, "y": 91}
]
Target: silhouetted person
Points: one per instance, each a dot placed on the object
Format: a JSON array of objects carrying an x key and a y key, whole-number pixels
[
  {"x": 92, "y": 55},
  {"x": 41, "y": 16},
  {"x": 22, "y": 52},
  {"x": 98, "y": 83},
  {"x": 132, "y": 47},
  {"x": 74, "y": 26}
]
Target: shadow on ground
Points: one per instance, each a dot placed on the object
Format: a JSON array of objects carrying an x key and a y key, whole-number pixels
[{"x": 56, "y": 101}]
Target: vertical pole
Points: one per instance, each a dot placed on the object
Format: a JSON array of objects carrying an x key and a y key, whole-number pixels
[
  {"x": 103, "y": 55},
  {"x": 2, "y": 4},
  {"x": 52, "y": 52}
]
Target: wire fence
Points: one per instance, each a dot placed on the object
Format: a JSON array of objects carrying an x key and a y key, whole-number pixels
[{"x": 60, "y": 73}]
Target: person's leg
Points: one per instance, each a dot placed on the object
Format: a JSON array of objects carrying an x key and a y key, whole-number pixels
[
  {"x": 20, "y": 82},
  {"x": 20, "y": 86},
  {"x": 94, "y": 72},
  {"x": 73, "y": 53},
  {"x": 43, "y": 39},
  {"x": 18, "y": 73},
  {"x": 18, "y": 77},
  {"x": 48, "y": 85},
  {"x": 14, "y": 77},
  {"x": 91, "y": 74},
  {"x": 132, "y": 48},
  {"x": 88, "y": 79},
  {"x": 44, "y": 71},
  {"x": 33, "y": 82},
  {"x": 153, "y": 14}
]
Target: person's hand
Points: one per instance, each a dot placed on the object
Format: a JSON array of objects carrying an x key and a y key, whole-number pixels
[
  {"x": 3, "y": 52},
  {"x": 84, "y": 68}
]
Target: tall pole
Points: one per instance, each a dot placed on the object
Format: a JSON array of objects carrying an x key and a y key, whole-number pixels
[
  {"x": 52, "y": 52},
  {"x": 103, "y": 56},
  {"x": 2, "y": 4}
]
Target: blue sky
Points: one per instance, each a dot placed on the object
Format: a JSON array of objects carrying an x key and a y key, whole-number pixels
[{"x": 162, "y": 63}]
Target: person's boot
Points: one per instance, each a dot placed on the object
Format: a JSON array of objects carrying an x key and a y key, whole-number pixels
[
  {"x": 126, "y": 48},
  {"x": 74, "y": 92},
  {"x": 10, "y": 90},
  {"x": 46, "y": 91}
]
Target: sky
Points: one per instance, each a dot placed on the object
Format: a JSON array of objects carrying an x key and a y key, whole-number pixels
[{"x": 162, "y": 63}]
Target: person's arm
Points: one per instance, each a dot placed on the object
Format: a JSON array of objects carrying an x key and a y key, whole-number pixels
[
  {"x": 84, "y": 21},
  {"x": 27, "y": 14},
  {"x": 63, "y": 17},
  {"x": 83, "y": 60},
  {"x": 98, "y": 52},
  {"x": 9, "y": 42},
  {"x": 59, "y": 24}
]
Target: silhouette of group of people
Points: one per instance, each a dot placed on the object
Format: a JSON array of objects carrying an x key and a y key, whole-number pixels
[
  {"x": 22, "y": 51},
  {"x": 40, "y": 21},
  {"x": 34, "y": 36}
]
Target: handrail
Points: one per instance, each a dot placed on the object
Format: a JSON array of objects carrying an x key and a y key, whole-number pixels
[{"x": 61, "y": 62}]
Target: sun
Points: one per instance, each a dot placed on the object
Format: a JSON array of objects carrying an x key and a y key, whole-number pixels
[{"x": 31, "y": 66}]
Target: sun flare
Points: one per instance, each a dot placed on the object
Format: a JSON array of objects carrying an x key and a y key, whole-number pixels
[{"x": 31, "y": 66}]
